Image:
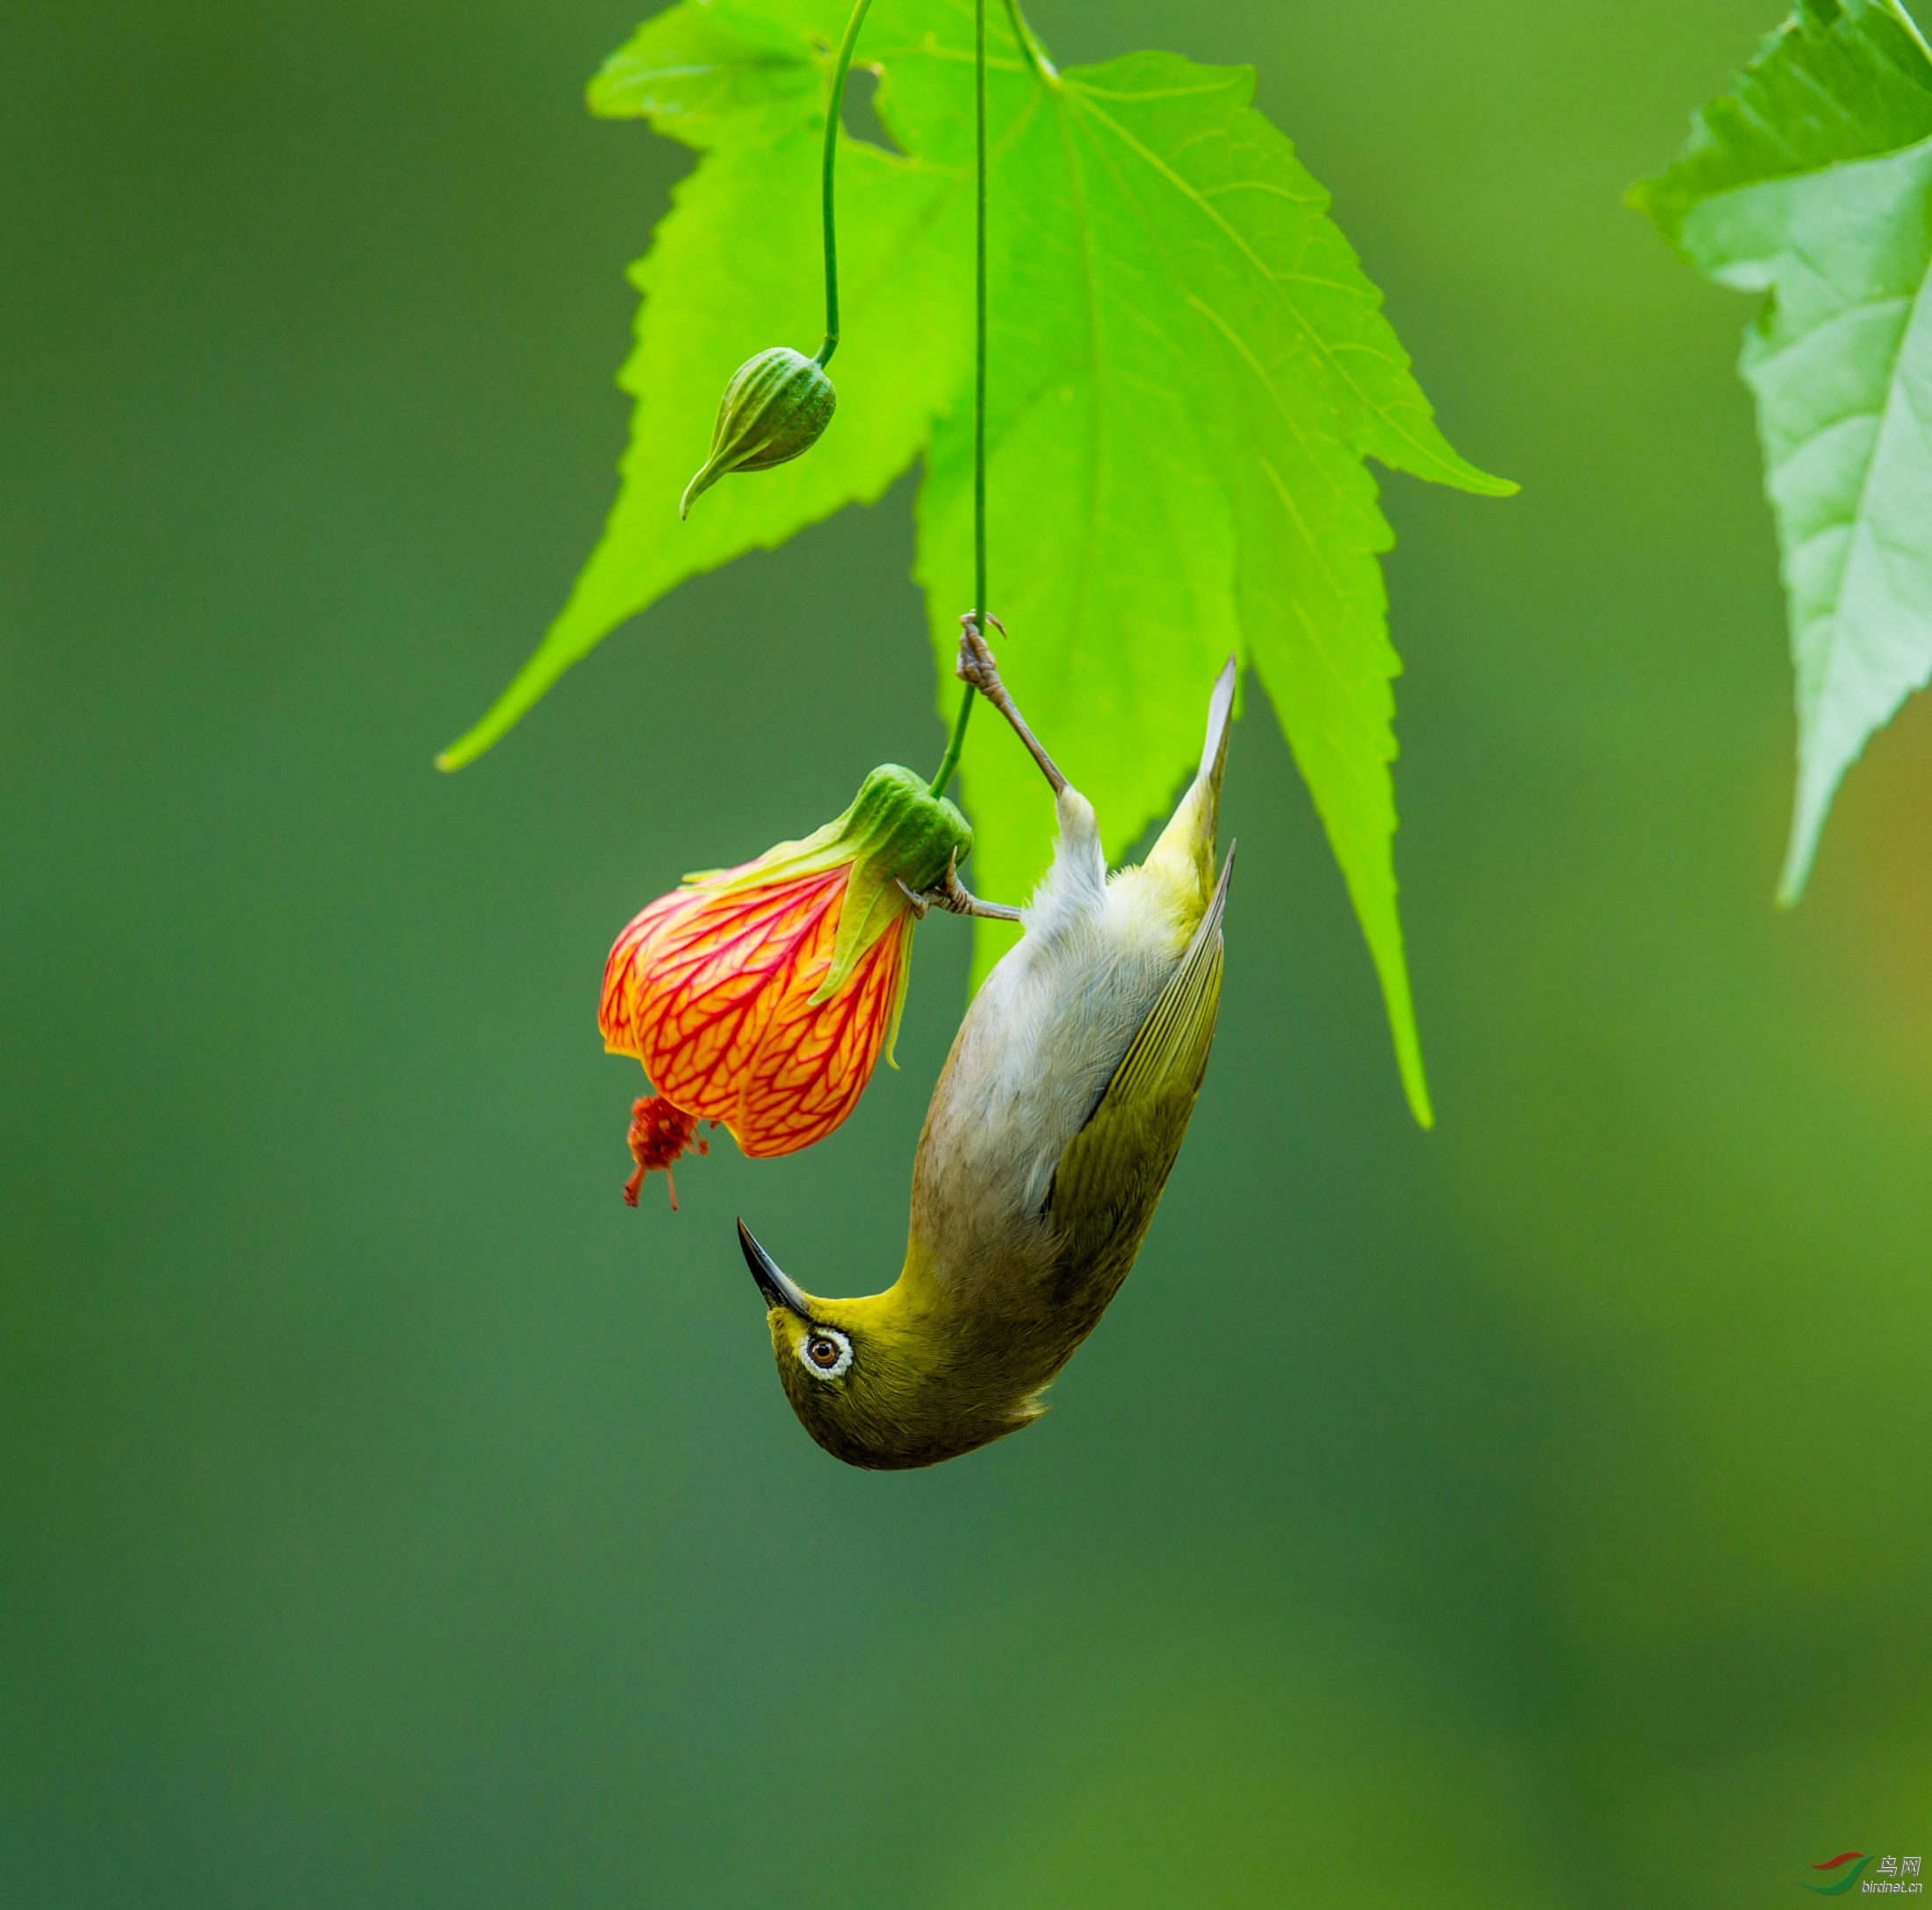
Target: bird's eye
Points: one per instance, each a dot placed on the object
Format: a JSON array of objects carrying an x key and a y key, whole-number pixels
[{"x": 825, "y": 1352}]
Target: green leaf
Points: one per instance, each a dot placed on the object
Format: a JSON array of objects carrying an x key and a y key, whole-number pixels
[
  {"x": 735, "y": 267},
  {"x": 1187, "y": 367},
  {"x": 1812, "y": 183}
]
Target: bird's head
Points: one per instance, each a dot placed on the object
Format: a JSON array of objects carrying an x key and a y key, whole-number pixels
[{"x": 887, "y": 1381}]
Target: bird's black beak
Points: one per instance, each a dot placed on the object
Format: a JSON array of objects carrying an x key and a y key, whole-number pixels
[{"x": 778, "y": 1289}]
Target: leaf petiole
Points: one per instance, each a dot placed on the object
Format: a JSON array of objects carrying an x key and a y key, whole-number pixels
[{"x": 1036, "y": 55}]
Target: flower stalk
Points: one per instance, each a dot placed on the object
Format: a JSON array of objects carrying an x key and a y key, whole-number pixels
[{"x": 956, "y": 743}]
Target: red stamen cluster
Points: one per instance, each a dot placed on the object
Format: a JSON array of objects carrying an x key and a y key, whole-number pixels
[{"x": 659, "y": 1133}]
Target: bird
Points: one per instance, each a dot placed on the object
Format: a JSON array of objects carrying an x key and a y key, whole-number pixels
[{"x": 1050, "y": 1136}]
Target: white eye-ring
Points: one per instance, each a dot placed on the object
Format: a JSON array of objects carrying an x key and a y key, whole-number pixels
[{"x": 825, "y": 1352}]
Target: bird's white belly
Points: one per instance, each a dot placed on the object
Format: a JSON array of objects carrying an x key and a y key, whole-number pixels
[{"x": 1038, "y": 1047}]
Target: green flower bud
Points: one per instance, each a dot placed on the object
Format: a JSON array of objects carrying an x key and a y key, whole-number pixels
[{"x": 775, "y": 408}]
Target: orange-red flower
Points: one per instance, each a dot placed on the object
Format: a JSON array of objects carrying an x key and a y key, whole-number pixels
[{"x": 761, "y": 997}]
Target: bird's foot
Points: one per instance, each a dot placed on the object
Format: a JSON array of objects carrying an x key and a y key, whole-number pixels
[
  {"x": 952, "y": 895},
  {"x": 978, "y": 665}
]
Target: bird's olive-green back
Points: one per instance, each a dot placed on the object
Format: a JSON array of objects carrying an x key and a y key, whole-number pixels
[{"x": 1110, "y": 1178}]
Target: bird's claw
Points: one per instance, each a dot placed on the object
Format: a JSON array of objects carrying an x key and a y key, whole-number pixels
[{"x": 976, "y": 664}]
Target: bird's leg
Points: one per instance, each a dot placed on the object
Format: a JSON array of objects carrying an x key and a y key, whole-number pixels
[
  {"x": 978, "y": 667},
  {"x": 952, "y": 895}
]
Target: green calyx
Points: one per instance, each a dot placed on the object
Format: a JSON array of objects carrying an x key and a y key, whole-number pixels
[
  {"x": 777, "y": 405},
  {"x": 897, "y": 831}
]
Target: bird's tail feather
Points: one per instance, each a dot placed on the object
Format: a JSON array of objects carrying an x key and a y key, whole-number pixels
[
  {"x": 1221, "y": 710},
  {"x": 1185, "y": 853}
]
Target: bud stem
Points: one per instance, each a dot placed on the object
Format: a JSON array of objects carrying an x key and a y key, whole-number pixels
[{"x": 841, "y": 66}]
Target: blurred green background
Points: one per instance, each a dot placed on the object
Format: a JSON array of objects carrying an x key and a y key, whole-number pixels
[{"x": 1531, "y": 1513}]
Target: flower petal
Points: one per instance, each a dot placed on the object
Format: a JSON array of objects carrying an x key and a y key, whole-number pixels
[
  {"x": 717, "y": 973},
  {"x": 712, "y": 990},
  {"x": 625, "y": 1007},
  {"x": 814, "y": 1060}
]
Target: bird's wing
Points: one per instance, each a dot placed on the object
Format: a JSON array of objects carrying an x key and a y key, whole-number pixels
[{"x": 1112, "y": 1172}]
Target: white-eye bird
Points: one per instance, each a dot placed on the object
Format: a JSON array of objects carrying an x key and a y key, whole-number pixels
[{"x": 1051, "y": 1135}]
